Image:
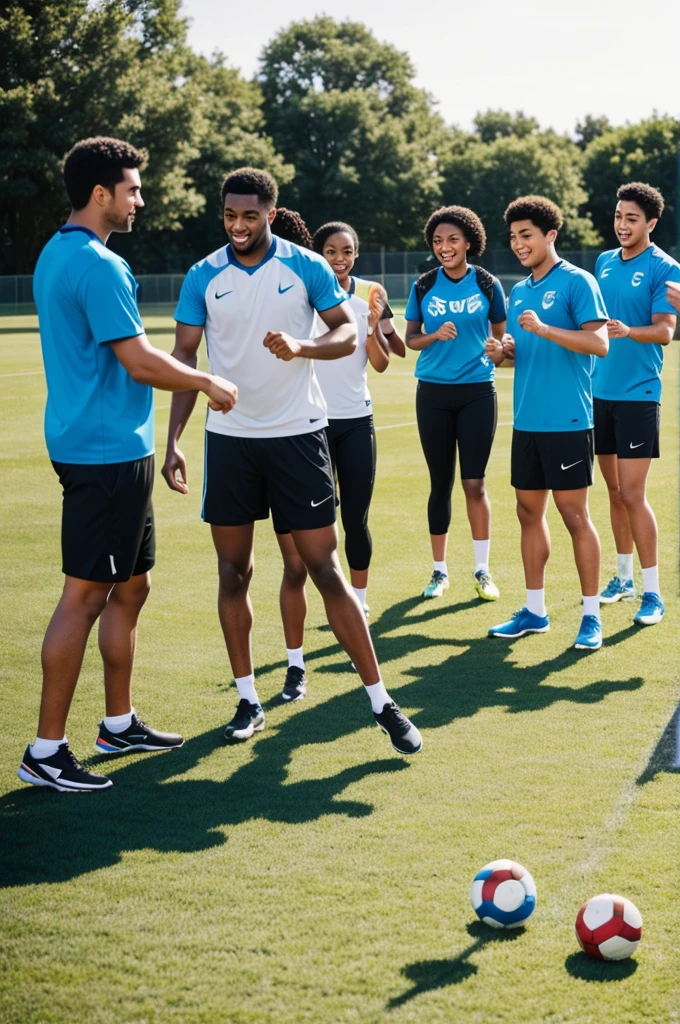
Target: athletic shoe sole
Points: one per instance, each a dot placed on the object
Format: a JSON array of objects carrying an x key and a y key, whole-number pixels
[
  {"x": 26, "y": 775},
  {"x": 405, "y": 753},
  {"x": 647, "y": 621},
  {"x": 523, "y": 632},
  {"x": 486, "y": 597},
  {"x": 291, "y": 700},
  {"x": 244, "y": 734},
  {"x": 619, "y": 597},
  {"x": 104, "y": 748},
  {"x": 588, "y": 647}
]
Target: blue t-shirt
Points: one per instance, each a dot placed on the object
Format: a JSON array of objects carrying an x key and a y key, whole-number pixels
[
  {"x": 237, "y": 305},
  {"x": 96, "y": 414},
  {"x": 553, "y": 387},
  {"x": 633, "y": 291},
  {"x": 461, "y": 361}
]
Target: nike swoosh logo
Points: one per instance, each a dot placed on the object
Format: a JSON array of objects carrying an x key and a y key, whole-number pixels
[
  {"x": 637, "y": 445},
  {"x": 316, "y": 503},
  {"x": 562, "y": 466},
  {"x": 282, "y": 291},
  {"x": 223, "y": 294}
]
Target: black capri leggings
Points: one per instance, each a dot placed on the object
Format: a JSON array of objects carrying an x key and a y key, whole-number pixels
[
  {"x": 450, "y": 414},
  {"x": 353, "y": 454}
]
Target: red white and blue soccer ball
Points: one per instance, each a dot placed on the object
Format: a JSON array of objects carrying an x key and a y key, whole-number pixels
[
  {"x": 609, "y": 927},
  {"x": 503, "y": 894}
]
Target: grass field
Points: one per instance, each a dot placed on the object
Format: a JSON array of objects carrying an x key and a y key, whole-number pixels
[{"x": 312, "y": 875}]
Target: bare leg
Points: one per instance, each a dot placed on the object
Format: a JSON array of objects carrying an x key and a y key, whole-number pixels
[
  {"x": 478, "y": 508},
  {"x": 234, "y": 547},
  {"x": 618, "y": 513},
  {"x": 439, "y": 543},
  {"x": 292, "y": 597},
  {"x": 118, "y": 640},
  {"x": 80, "y": 605},
  {"x": 573, "y": 507},
  {"x": 531, "y": 509},
  {"x": 318, "y": 549},
  {"x": 633, "y": 481}
]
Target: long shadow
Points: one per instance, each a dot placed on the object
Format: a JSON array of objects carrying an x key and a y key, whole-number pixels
[
  {"x": 666, "y": 755},
  {"x": 428, "y": 975},
  {"x": 585, "y": 968}
]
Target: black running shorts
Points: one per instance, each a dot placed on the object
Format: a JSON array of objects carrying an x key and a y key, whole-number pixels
[
  {"x": 552, "y": 460},
  {"x": 107, "y": 528},
  {"x": 629, "y": 430},
  {"x": 245, "y": 477}
]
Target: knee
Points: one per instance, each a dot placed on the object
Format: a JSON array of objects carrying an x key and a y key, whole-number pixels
[
  {"x": 631, "y": 497},
  {"x": 234, "y": 579},
  {"x": 615, "y": 496},
  {"x": 134, "y": 593},
  {"x": 574, "y": 518},
  {"x": 528, "y": 515},
  {"x": 294, "y": 574},
  {"x": 328, "y": 578},
  {"x": 474, "y": 490}
]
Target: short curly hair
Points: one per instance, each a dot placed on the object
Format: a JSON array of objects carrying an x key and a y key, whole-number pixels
[
  {"x": 323, "y": 233},
  {"x": 98, "y": 161},
  {"x": 288, "y": 224},
  {"x": 542, "y": 212},
  {"x": 468, "y": 222},
  {"x": 647, "y": 198},
  {"x": 251, "y": 181}
]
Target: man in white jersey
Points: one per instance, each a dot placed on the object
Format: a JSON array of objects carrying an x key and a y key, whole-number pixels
[{"x": 256, "y": 300}]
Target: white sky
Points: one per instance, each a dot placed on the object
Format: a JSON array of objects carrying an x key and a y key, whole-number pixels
[{"x": 555, "y": 61}]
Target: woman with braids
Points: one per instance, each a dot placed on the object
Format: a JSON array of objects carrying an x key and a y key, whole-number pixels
[{"x": 448, "y": 315}]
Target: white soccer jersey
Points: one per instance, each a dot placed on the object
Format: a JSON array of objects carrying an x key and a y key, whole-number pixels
[
  {"x": 344, "y": 381},
  {"x": 237, "y": 305}
]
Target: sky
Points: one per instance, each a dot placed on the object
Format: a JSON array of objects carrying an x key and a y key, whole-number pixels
[{"x": 555, "y": 61}]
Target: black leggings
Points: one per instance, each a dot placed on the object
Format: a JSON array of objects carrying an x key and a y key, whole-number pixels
[
  {"x": 449, "y": 415},
  {"x": 353, "y": 454}
]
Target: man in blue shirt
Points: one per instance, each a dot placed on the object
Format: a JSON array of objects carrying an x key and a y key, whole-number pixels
[
  {"x": 627, "y": 388},
  {"x": 256, "y": 300},
  {"x": 557, "y": 320},
  {"x": 100, "y": 371}
]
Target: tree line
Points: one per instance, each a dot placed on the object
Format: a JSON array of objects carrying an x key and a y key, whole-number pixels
[{"x": 332, "y": 112}]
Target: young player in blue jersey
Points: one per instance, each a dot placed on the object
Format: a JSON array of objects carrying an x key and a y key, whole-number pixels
[
  {"x": 448, "y": 316},
  {"x": 256, "y": 299},
  {"x": 557, "y": 320},
  {"x": 100, "y": 371},
  {"x": 627, "y": 388}
]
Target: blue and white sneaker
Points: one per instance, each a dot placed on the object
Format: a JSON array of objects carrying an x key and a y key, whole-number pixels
[
  {"x": 522, "y": 622},
  {"x": 651, "y": 610},
  {"x": 590, "y": 634},
  {"x": 618, "y": 590}
]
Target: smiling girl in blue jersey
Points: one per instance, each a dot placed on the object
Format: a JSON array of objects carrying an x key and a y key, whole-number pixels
[{"x": 448, "y": 315}]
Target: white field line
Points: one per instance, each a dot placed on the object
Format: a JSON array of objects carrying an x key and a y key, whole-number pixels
[
  {"x": 25, "y": 373},
  {"x": 414, "y": 423}
]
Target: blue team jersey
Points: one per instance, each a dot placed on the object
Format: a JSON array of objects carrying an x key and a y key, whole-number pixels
[
  {"x": 237, "y": 305},
  {"x": 86, "y": 297},
  {"x": 553, "y": 386},
  {"x": 633, "y": 291},
  {"x": 461, "y": 361}
]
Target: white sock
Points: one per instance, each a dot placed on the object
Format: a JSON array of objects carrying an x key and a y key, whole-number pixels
[
  {"x": 441, "y": 567},
  {"x": 650, "y": 580},
  {"x": 624, "y": 567},
  {"x": 591, "y": 606},
  {"x": 361, "y": 594},
  {"x": 45, "y": 748},
  {"x": 295, "y": 659},
  {"x": 481, "y": 548},
  {"x": 119, "y": 723},
  {"x": 378, "y": 695},
  {"x": 536, "y": 601},
  {"x": 246, "y": 689}
]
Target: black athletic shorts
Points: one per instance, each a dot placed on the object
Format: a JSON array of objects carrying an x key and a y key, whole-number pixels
[
  {"x": 246, "y": 476},
  {"x": 629, "y": 430},
  {"x": 559, "y": 460},
  {"x": 107, "y": 528},
  {"x": 461, "y": 416}
]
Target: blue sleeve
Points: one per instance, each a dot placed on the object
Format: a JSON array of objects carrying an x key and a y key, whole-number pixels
[
  {"x": 413, "y": 311},
  {"x": 586, "y": 299},
  {"x": 598, "y": 264},
  {"x": 322, "y": 285},
  {"x": 498, "y": 310},
  {"x": 663, "y": 272},
  {"x": 191, "y": 308},
  {"x": 108, "y": 293}
]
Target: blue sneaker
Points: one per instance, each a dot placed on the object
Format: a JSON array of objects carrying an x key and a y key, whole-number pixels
[
  {"x": 522, "y": 622},
  {"x": 651, "y": 610},
  {"x": 590, "y": 634},
  {"x": 618, "y": 590}
]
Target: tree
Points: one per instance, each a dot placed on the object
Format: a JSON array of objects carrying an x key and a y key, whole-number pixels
[
  {"x": 647, "y": 151},
  {"x": 590, "y": 128},
  {"x": 495, "y": 124}
]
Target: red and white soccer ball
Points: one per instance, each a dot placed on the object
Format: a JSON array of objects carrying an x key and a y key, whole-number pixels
[
  {"x": 503, "y": 894},
  {"x": 609, "y": 927}
]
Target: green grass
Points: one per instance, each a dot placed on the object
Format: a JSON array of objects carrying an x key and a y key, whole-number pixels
[{"x": 311, "y": 875}]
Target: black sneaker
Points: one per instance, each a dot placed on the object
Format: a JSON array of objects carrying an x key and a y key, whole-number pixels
[
  {"x": 61, "y": 771},
  {"x": 404, "y": 736},
  {"x": 137, "y": 736},
  {"x": 294, "y": 687},
  {"x": 249, "y": 718}
]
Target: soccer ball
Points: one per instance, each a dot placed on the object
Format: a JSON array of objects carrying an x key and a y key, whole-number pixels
[
  {"x": 503, "y": 894},
  {"x": 609, "y": 927}
]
